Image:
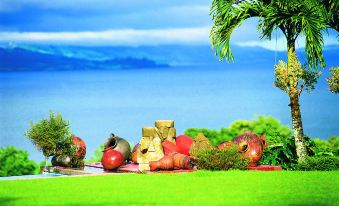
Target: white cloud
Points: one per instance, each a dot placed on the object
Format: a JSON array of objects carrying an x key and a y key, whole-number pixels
[
  {"x": 131, "y": 37},
  {"x": 138, "y": 37},
  {"x": 280, "y": 43}
]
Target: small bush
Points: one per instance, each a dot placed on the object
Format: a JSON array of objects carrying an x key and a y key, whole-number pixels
[
  {"x": 324, "y": 163},
  {"x": 221, "y": 159},
  {"x": 51, "y": 136},
  {"x": 48, "y": 134},
  {"x": 14, "y": 162}
]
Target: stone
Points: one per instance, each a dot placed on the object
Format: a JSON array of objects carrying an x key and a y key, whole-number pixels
[
  {"x": 150, "y": 148},
  {"x": 166, "y": 130}
]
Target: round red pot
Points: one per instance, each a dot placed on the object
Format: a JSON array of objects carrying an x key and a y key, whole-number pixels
[
  {"x": 169, "y": 147},
  {"x": 112, "y": 159},
  {"x": 184, "y": 143}
]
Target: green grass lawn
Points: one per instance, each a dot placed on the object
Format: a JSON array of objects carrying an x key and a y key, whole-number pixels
[{"x": 198, "y": 188}]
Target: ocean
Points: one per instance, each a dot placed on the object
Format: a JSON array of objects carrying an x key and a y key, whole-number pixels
[{"x": 98, "y": 103}]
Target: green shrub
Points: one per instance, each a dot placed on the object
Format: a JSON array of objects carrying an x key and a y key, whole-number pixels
[
  {"x": 325, "y": 163},
  {"x": 322, "y": 148},
  {"x": 51, "y": 135},
  {"x": 14, "y": 162},
  {"x": 212, "y": 135},
  {"x": 334, "y": 142},
  {"x": 329, "y": 147},
  {"x": 280, "y": 154},
  {"x": 221, "y": 159},
  {"x": 271, "y": 128},
  {"x": 281, "y": 148}
]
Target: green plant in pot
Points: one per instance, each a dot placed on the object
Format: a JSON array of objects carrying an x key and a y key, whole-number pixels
[{"x": 51, "y": 136}]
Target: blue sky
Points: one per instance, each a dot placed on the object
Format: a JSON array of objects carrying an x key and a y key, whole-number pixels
[{"x": 120, "y": 22}]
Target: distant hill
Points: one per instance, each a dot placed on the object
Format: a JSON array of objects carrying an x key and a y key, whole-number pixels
[
  {"x": 44, "y": 57},
  {"x": 23, "y": 59}
]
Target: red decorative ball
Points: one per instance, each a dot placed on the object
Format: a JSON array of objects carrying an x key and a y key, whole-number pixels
[
  {"x": 80, "y": 145},
  {"x": 184, "y": 143},
  {"x": 169, "y": 147},
  {"x": 112, "y": 159}
]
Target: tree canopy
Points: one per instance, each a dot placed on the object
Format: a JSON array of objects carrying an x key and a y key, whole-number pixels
[{"x": 293, "y": 17}]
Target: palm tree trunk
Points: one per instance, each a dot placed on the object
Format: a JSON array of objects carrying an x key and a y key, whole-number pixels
[
  {"x": 297, "y": 126},
  {"x": 294, "y": 93}
]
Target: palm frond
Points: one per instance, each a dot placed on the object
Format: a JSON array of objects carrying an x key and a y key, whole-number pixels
[
  {"x": 227, "y": 16},
  {"x": 296, "y": 17}
]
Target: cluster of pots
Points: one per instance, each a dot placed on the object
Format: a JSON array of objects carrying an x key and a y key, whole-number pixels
[
  {"x": 177, "y": 154},
  {"x": 117, "y": 151}
]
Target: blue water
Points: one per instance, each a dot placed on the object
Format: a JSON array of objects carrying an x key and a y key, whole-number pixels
[
  {"x": 123, "y": 101},
  {"x": 39, "y": 176}
]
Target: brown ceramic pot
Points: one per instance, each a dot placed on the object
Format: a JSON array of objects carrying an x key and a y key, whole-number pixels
[
  {"x": 118, "y": 144},
  {"x": 135, "y": 153}
]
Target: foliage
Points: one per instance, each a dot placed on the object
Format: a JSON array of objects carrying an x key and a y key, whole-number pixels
[
  {"x": 334, "y": 80},
  {"x": 281, "y": 147},
  {"x": 319, "y": 163},
  {"x": 97, "y": 155},
  {"x": 221, "y": 159},
  {"x": 14, "y": 162},
  {"x": 292, "y": 17},
  {"x": 299, "y": 74},
  {"x": 210, "y": 188},
  {"x": 50, "y": 134},
  {"x": 271, "y": 128},
  {"x": 328, "y": 147},
  {"x": 284, "y": 154},
  {"x": 212, "y": 135},
  {"x": 334, "y": 142}
]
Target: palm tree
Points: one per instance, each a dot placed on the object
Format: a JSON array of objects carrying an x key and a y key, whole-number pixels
[{"x": 292, "y": 17}]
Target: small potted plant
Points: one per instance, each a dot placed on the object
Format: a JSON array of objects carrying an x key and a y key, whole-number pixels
[{"x": 48, "y": 134}]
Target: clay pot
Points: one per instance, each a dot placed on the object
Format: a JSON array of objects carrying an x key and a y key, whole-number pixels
[
  {"x": 251, "y": 146},
  {"x": 61, "y": 160},
  {"x": 80, "y": 151},
  {"x": 165, "y": 163},
  {"x": 135, "y": 153},
  {"x": 184, "y": 143},
  {"x": 181, "y": 161},
  {"x": 118, "y": 144},
  {"x": 169, "y": 147},
  {"x": 111, "y": 159}
]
